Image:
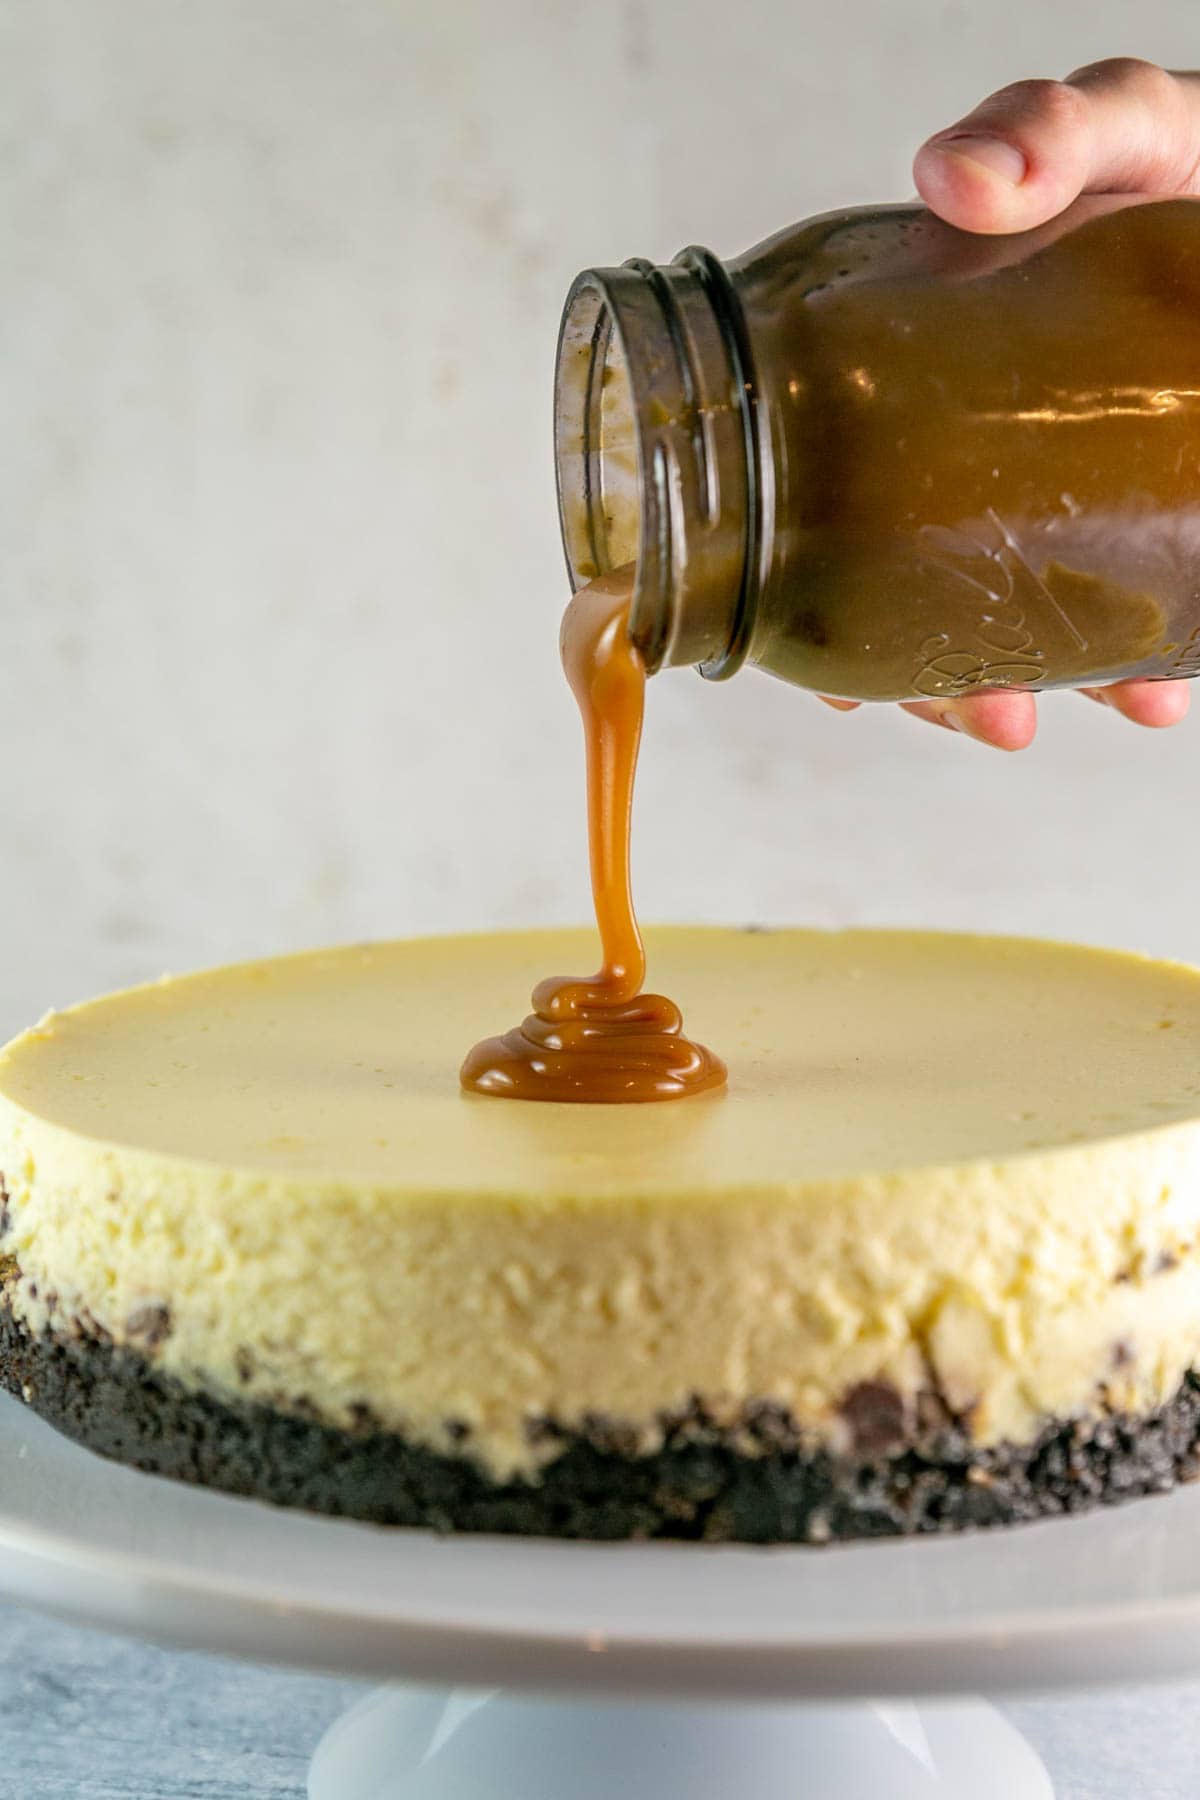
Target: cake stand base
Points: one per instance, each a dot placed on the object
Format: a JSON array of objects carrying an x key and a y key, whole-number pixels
[{"x": 411, "y": 1744}]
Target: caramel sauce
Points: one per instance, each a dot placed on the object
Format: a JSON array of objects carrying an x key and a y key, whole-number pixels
[{"x": 601, "y": 1038}]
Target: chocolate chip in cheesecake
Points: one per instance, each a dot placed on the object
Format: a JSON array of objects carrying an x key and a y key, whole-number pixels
[{"x": 874, "y": 1411}]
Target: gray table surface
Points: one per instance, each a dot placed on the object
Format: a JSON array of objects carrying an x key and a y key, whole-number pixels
[{"x": 84, "y": 1716}]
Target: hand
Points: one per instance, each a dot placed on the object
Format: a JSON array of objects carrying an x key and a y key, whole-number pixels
[{"x": 1023, "y": 155}]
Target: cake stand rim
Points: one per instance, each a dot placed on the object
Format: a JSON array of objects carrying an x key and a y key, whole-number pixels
[{"x": 144, "y": 1597}]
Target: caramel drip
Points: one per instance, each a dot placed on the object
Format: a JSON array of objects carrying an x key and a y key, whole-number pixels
[{"x": 601, "y": 1038}]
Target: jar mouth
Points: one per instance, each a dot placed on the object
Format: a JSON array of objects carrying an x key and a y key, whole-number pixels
[
  {"x": 598, "y": 458},
  {"x": 653, "y": 459}
]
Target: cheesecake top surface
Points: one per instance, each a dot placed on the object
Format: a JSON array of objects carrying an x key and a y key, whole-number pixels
[{"x": 851, "y": 1054}]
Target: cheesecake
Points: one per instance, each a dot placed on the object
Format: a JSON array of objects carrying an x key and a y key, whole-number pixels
[{"x": 931, "y": 1259}]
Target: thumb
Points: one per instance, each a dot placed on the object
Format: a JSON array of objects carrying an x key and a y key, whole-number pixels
[{"x": 1026, "y": 152}]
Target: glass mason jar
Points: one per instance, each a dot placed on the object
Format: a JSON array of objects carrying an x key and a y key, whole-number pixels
[{"x": 885, "y": 459}]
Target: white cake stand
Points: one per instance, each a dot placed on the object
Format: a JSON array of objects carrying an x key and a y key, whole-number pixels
[{"x": 571, "y": 1671}]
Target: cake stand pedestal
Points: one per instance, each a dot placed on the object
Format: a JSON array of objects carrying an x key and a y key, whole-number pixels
[{"x": 403, "y": 1744}]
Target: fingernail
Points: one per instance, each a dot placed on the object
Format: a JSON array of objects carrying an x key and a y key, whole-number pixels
[
  {"x": 992, "y": 154},
  {"x": 951, "y": 720}
]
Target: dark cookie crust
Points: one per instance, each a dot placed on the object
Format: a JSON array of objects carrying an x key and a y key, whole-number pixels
[{"x": 703, "y": 1484}]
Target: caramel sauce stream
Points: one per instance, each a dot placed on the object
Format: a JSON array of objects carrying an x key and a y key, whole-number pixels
[{"x": 602, "y": 1038}]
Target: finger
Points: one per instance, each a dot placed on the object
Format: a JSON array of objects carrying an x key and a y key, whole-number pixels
[
  {"x": 1156, "y": 704},
  {"x": 933, "y": 712},
  {"x": 840, "y": 705},
  {"x": 1026, "y": 152},
  {"x": 1006, "y": 721}
]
